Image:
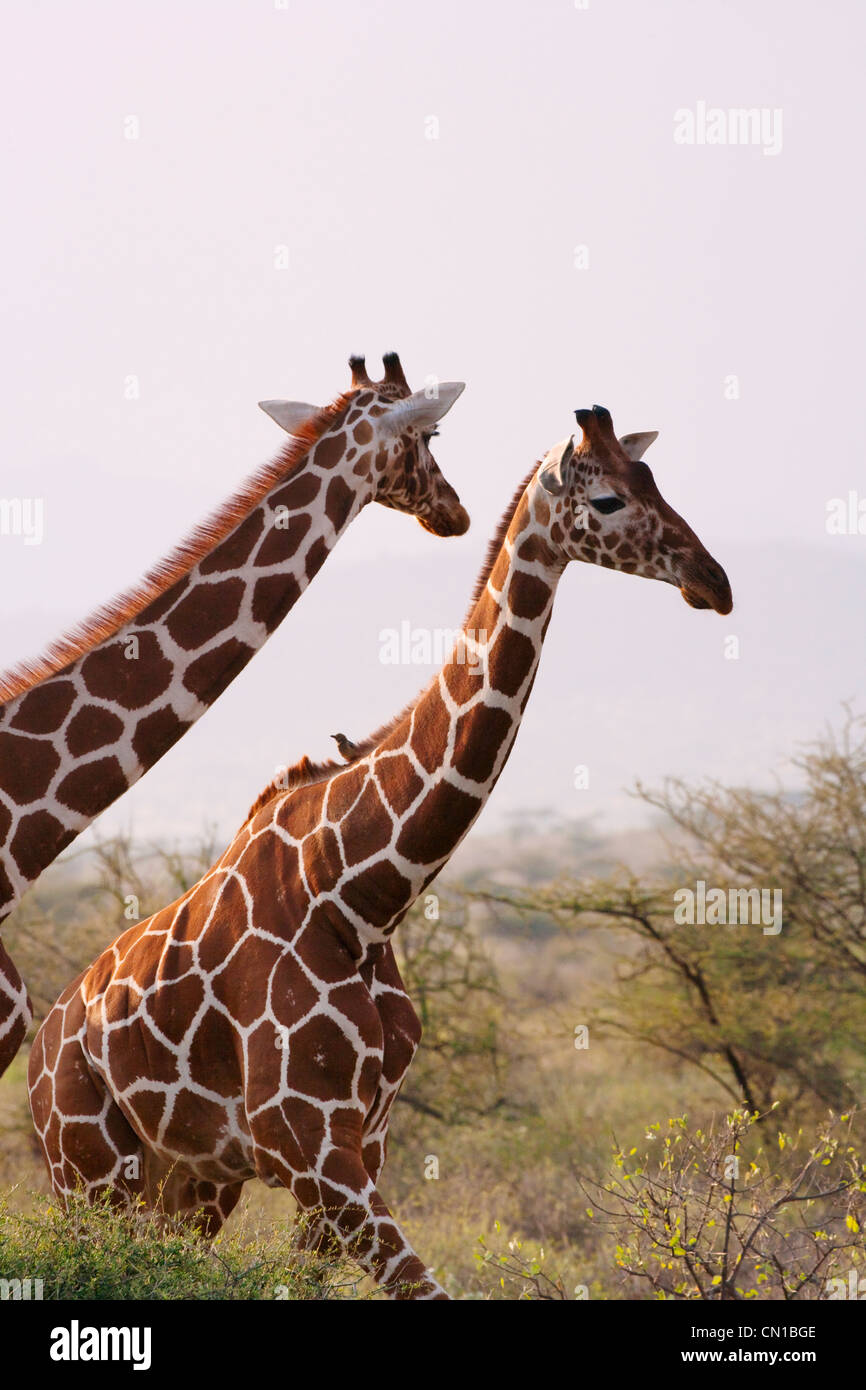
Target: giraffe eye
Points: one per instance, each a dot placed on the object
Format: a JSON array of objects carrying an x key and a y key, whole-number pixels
[
  {"x": 606, "y": 505},
  {"x": 431, "y": 434}
]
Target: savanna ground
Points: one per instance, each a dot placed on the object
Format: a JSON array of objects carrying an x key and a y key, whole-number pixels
[{"x": 607, "y": 1103}]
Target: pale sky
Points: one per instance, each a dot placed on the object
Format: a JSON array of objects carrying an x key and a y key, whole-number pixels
[{"x": 306, "y": 127}]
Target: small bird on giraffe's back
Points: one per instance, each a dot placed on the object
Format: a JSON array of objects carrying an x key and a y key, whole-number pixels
[{"x": 347, "y": 748}]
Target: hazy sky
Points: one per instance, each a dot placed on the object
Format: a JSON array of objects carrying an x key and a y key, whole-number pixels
[{"x": 553, "y": 246}]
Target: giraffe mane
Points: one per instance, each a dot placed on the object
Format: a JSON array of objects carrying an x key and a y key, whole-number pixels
[
  {"x": 110, "y": 617},
  {"x": 305, "y": 772}
]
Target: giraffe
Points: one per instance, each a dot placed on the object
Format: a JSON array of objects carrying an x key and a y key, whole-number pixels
[
  {"x": 87, "y": 720},
  {"x": 259, "y": 1025}
]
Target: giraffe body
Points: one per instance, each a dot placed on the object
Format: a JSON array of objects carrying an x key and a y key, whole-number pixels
[
  {"x": 80, "y": 727},
  {"x": 259, "y": 1024}
]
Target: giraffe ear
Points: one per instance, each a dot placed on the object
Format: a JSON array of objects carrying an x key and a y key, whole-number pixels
[
  {"x": 634, "y": 446},
  {"x": 290, "y": 415},
  {"x": 551, "y": 475},
  {"x": 421, "y": 411}
]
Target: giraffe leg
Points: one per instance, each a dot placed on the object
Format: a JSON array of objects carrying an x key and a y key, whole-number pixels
[
  {"x": 312, "y": 1236},
  {"x": 401, "y": 1032},
  {"x": 308, "y": 1092},
  {"x": 98, "y": 1151},
  {"x": 348, "y": 1216},
  {"x": 87, "y": 1141},
  {"x": 325, "y": 1171},
  {"x": 175, "y": 1192},
  {"x": 352, "y": 1213},
  {"x": 401, "y": 1029}
]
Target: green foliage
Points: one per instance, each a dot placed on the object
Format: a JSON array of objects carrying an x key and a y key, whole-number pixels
[
  {"x": 519, "y": 1270},
  {"x": 97, "y": 1252},
  {"x": 719, "y": 1214}
]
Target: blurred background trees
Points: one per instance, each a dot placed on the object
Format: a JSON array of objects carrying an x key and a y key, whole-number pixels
[{"x": 772, "y": 1019}]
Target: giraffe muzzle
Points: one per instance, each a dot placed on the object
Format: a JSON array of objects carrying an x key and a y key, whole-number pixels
[
  {"x": 704, "y": 584},
  {"x": 454, "y": 522}
]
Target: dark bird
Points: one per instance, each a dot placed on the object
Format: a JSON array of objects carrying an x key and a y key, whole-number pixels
[{"x": 348, "y": 749}]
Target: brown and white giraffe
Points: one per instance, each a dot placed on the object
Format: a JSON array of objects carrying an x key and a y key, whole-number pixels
[
  {"x": 259, "y": 1025},
  {"x": 81, "y": 725}
]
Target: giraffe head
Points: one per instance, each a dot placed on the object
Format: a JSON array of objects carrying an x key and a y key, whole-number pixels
[
  {"x": 388, "y": 428},
  {"x": 599, "y": 503}
]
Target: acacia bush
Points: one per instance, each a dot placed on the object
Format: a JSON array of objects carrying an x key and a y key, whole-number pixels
[
  {"x": 719, "y": 1213},
  {"x": 770, "y": 1018}
]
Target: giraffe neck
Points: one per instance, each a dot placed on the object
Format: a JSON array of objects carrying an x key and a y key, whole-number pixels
[
  {"x": 74, "y": 741},
  {"x": 389, "y": 822},
  {"x": 462, "y": 730}
]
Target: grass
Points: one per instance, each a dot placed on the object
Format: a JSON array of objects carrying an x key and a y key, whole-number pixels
[{"x": 97, "y": 1253}]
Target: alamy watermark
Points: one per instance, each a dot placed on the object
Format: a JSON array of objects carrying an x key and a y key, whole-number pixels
[
  {"x": 846, "y": 516},
  {"x": 712, "y": 907},
  {"x": 432, "y": 646},
  {"x": 77, "y": 1343},
  {"x": 737, "y": 125},
  {"x": 23, "y": 517},
  {"x": 854, "y": 1287},
  {"x": 21, "y": 1290}
]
